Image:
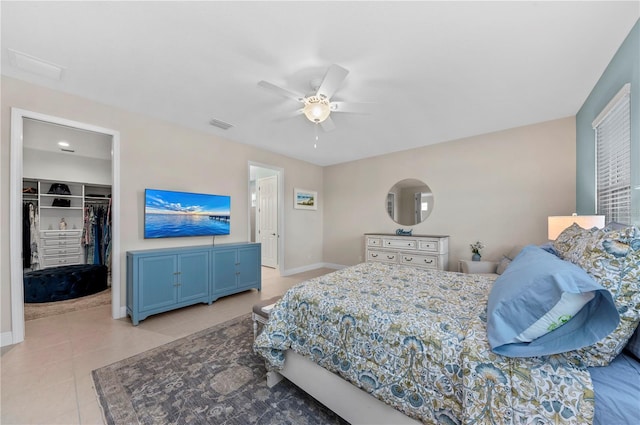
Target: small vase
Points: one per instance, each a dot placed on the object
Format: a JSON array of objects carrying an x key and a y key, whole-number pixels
[{"x": 475, "y": 257}]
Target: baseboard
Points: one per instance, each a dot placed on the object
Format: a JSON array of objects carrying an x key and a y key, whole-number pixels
[
  {"x": 334, "y": 266},
  {"x": 310, "y": 267},
  {"x": 6, "y": 338}
]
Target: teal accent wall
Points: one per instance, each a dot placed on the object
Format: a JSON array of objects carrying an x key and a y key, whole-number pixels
[{"x": 623, "y": 68}]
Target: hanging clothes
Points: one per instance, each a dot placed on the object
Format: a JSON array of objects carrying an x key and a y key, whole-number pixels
[
  {"x": 97, "y": 231},
  {"x": 34, "y": 236},
  {"x": 30, "y": 236},
  {"x": 96, "y": 234},
  {"x": 26, "y": 236},
  {"x": 87, "y": 234}
]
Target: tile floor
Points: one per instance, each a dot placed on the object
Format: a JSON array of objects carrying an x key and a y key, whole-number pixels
[{"x": 47, "y": 378}]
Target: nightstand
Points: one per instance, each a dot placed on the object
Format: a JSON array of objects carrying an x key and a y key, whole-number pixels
[{"x": 468, "y": 266}]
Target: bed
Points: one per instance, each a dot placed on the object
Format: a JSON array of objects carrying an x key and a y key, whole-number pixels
[{"x": 381, "y": 343}]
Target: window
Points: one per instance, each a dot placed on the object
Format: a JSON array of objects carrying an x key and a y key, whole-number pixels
[{"x": 613, "y": 159}]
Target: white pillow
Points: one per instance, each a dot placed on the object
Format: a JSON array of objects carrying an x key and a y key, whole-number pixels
[{"x": 567, "y": 306}]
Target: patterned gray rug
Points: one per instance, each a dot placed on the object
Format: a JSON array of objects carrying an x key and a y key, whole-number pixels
[{"x": 210, "y": 377}]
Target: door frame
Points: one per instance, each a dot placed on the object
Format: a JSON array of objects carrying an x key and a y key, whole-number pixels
[
  {"x": 15, "y": 213},
  {"x": 281, "y": 231}
]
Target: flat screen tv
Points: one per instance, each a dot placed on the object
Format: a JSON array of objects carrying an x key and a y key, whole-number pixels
[{"x": 169, "y": 214}]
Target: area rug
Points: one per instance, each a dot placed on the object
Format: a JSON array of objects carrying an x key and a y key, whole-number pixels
[{"x": 210, "y": 377}]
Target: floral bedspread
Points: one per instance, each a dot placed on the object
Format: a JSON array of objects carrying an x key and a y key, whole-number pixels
[{"x": 416, "y": 339}]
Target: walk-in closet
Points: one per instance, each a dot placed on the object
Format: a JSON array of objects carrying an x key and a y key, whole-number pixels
[{"x": 66, "y": 228}]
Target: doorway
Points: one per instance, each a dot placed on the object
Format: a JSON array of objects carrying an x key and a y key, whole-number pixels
[
  {"x": 18, "y": 119},
  {"x": 265, "y": 213}
]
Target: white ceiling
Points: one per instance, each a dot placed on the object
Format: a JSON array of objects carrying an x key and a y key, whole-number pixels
[
  {"x": 438, "y": 71},
  {"x": 46, "y": 136}
]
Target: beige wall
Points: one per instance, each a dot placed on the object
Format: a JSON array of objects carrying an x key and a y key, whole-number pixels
[
  {"x": 157, "y": 154},
  {"x": 498, "y": 188}
]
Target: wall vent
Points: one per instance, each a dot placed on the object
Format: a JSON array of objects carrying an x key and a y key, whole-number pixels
[{"x": 220, "y": 124}]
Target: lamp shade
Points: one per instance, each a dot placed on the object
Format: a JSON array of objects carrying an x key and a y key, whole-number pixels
[
  {"x": 557, "y": 223},
  {"x": 316, "y": 108}
]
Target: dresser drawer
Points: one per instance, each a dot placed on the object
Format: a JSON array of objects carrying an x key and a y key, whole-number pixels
[
  {"x": 382, "y": 256},
  {"x": 399, "y": 243},
  {"x": 60, "y": 260},
  {"x": 374, "y": 242},
  {"x": 428, "y": 246},
  {"x": 60, "y": 234},
  {"x": 62, "y": 250},
  {"x": 425, "y": 261},
  {"x": 60, "y": 242}
]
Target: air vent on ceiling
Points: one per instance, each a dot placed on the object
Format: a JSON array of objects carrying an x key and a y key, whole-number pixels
[
  {"x": 35, "y": 65},
  {"x": 220, "y": 124}
]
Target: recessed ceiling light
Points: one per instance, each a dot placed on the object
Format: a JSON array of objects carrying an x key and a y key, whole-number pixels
[{"x": 63, "y": 143}]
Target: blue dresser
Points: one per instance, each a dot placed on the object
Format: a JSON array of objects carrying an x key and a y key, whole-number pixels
[{"x": 160, "y": 280}]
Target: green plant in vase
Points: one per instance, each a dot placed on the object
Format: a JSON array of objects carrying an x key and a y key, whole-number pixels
[{"x": 475, "y": 249}]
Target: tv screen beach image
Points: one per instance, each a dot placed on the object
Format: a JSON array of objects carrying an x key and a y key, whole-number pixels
[{"x": 170, "y": 214}]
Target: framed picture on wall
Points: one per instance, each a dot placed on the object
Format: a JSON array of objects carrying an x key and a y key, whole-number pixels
[{"x": 305, "y": 199}]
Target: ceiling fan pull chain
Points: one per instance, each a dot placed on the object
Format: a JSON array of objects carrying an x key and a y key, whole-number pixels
[{"x": 315, "y": 144}]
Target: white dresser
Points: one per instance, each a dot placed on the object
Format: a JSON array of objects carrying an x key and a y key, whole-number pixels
[
  {"x": 426, "y": 251},
  {"x": 60, "y": 248}
]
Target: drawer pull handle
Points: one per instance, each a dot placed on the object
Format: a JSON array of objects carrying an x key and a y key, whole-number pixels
[
  {"x": 408, "y": 258},
  {"x": 374, "y": 255},
  {"x": 428, "y": 261},
  {"x": 391, "y": 257}
]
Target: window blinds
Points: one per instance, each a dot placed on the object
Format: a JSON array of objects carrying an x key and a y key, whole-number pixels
[{"x": 613, "y": 155}]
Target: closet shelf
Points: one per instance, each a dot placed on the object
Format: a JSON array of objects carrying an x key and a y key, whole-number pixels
[
  {"x": 42, "y": 207},
  {"x": 52, "y": 195}
]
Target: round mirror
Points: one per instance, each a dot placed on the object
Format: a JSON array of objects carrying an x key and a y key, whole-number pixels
[{"x": 409, "y": 202}]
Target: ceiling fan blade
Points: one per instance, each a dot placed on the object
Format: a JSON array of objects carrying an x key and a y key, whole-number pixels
[
  {"x": 332, "y": 80},
  {"x": 355, "y": 107},
  {"x": 328, "y": 125},
  {"x": 290, "y": 115},
  {"x": 282, "y": 92}
]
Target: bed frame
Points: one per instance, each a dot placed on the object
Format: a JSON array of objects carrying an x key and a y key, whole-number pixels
[{"x": 345, "y": 399}]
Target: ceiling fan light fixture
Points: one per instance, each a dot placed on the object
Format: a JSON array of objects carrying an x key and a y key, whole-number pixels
[{"x": 316, "y": 108}]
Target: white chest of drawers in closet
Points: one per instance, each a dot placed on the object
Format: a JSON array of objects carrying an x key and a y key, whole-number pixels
[
  {"x": 60, "y": 248},
  {"x": 425, "y": 251}
]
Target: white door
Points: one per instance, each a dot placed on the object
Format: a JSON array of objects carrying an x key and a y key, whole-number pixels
[{"x": 267, "y": 219}]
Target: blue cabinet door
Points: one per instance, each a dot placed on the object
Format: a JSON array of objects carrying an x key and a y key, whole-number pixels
[
  {"x": 157, "y": 282},
  {"x": 224, "y": 271},
  {"x": 193, "y": 277},
  {"x": 249, "y": 267}
]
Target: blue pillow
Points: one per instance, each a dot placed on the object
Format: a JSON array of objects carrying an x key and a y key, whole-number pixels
[
  {"x": 536, "y": 284},
  {"x": 634, "y": 343}
]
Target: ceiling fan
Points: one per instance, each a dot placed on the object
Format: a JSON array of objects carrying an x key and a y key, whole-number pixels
[{"x": 317, "y": 106}]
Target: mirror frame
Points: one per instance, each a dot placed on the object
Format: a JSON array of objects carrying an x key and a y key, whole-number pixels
[{"x": 400, "y": 202}]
